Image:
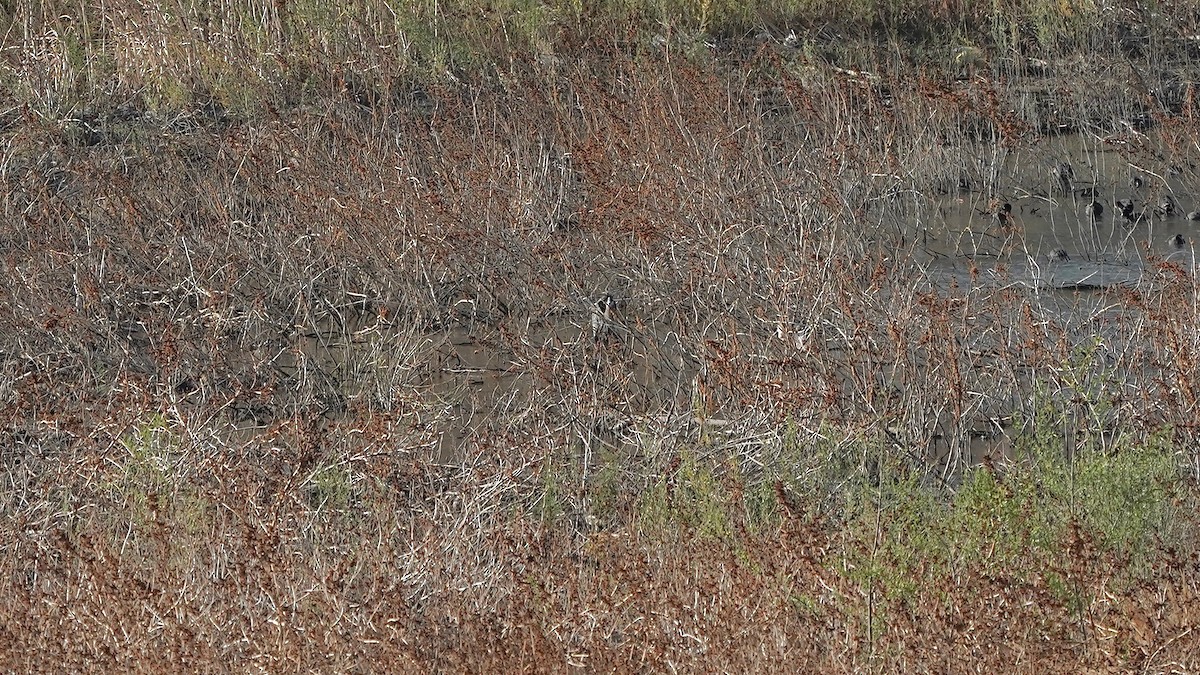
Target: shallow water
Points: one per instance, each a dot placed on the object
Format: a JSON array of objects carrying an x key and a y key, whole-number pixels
[
  {"x": 1049, "y": 239},
  {"x": 483, "y": 382}
]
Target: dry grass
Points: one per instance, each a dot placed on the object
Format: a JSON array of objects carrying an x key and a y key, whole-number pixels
[{"x": 318, "y": 375}]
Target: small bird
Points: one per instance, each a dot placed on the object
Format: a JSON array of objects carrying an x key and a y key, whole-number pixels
[
  {"x": 1136, "y": 182},
  {"x": 1064, "y": 173},
  {"x": 1193, "y": 215},
  {"x": 1177, "y": 241},
  {"x": 1094, "y": 211},
  {"x": 1004, "y": 216},
  {"x": 1059, "y": 255},
  {"x": 1125, "y": 206},
  {"x": 602, "y": 316},
  {"x": 1167, "y": 205}
]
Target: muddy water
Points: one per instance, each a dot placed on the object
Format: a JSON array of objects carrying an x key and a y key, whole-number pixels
[
  {"x": 480, "y": 383},
  {"x": 1054, "y": 236},
  {"x": 1054, "y": 241},
  {"x": 475, "y": 382},
  {"x": 492, "y": 387}
]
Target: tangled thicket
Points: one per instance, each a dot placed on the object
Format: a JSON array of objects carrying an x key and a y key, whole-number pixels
[{"x": 327, "y": 343}]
